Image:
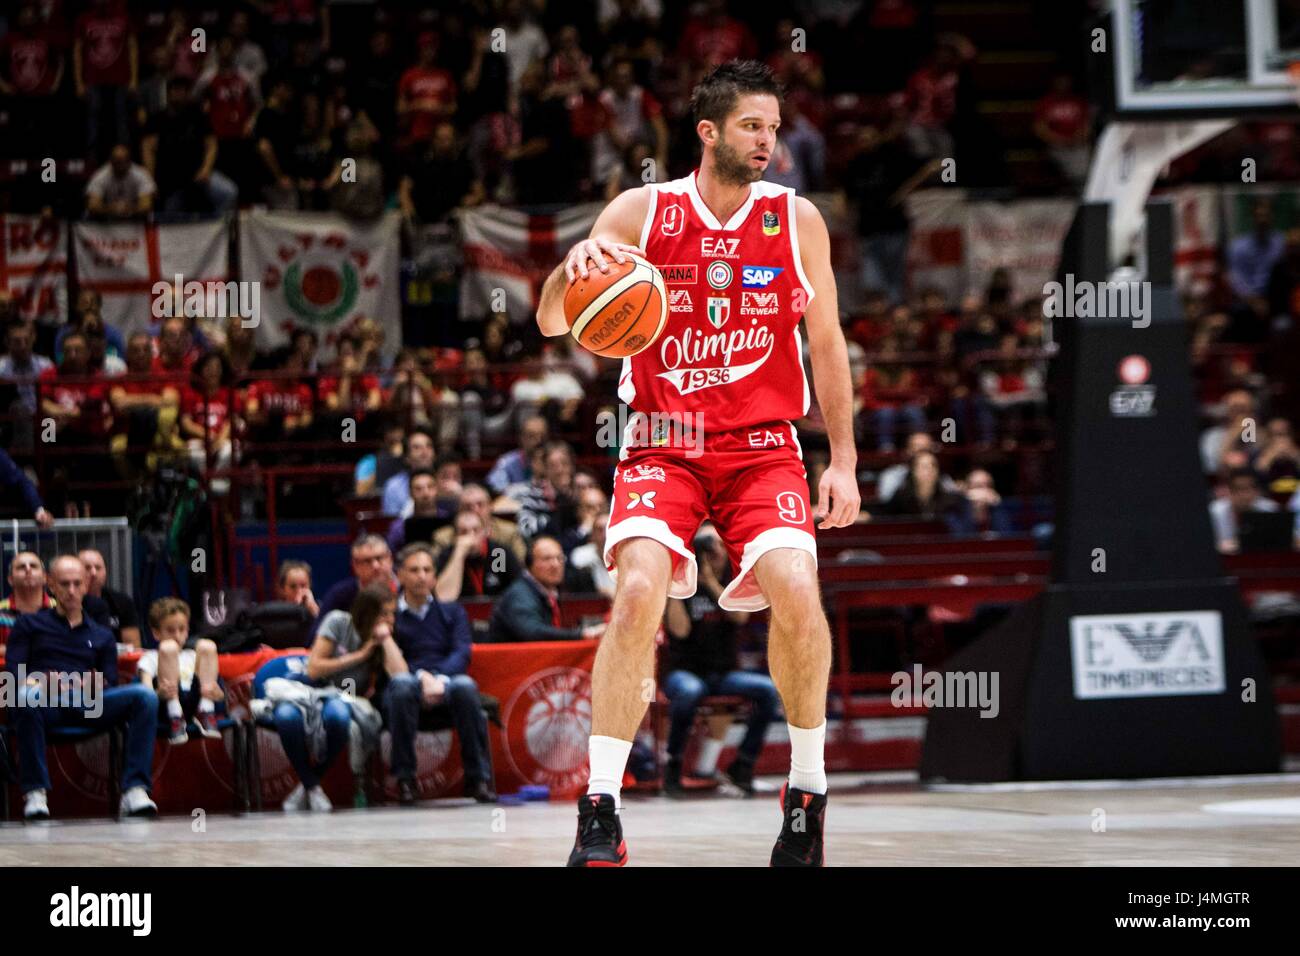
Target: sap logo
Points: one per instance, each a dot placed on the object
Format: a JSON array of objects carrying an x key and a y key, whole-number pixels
[
  {"x": 679, "y": 300},
  {"x": 758, "y": 277},
  {"x": 719, "y": 246},
  {"x": 680, "y": 275},
  {"x": 674, "y": 217},
  {"x": 759, "y": 303},
  {"x": 763, "y": 438}
]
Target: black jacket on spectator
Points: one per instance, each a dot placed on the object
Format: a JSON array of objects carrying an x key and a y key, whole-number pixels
[
  {"x": 710, "y": 648},
  {"x": 481, "y": 577},
  {"x": 523, "y": 613},
  {"x": 114, "y": 610}
]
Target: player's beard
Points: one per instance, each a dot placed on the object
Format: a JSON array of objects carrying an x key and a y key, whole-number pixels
[{"x": 732, "y": 168}]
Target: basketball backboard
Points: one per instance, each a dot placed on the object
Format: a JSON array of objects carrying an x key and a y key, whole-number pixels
[{"x": 1205, "y": 57}]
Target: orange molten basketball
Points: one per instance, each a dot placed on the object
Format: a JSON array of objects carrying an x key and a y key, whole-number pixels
[{"x": 620, "y": 312}]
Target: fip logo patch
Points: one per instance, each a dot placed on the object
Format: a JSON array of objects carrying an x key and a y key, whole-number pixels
[{"x": 758, "y": 277}]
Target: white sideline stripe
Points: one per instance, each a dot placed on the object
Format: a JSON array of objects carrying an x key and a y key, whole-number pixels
[{"x": 1141, "y": 783}]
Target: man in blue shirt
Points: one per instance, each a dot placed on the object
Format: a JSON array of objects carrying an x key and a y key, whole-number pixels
[
  {"x": 58, "y": 649},
  {"x": 434, "y": 640},
  {"x": 372, "y": 563}
]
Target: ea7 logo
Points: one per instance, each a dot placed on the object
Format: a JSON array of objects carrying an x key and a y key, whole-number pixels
[
  {"x": 635, "y": 498},
  {"x": 758, "y": 277},
  {"x": 673, "y": 219},
  {"x": 719, "y": 246},
  {"x": 679, "y": 300}
]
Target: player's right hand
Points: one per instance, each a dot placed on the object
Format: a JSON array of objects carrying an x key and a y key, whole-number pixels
[{"x": 596, "y": 250}]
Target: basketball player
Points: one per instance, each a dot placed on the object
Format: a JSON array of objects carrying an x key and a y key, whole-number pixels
[{"x": 743, "y": 261}]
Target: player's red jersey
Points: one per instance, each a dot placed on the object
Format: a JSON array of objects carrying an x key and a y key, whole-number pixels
[{"x": 731, "y": 348}]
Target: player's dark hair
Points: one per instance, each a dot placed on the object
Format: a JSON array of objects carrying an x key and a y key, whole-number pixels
[{"x": 714, "y": 97}]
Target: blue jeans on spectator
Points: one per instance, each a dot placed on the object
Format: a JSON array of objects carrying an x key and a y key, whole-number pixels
[
  {"x": 132, "y": 704},
  {"x": 884, "y": 263},
  {"x": 199, "y": 200},
  {"x": 684, "y": 691},
  {"x": 402, "y": 700},
  {"x": 886, "y": 419},
  {"x": 337, "y": 717}
]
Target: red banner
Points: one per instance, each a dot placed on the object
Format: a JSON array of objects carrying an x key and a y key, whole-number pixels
[{"x": 544, "y": 691}]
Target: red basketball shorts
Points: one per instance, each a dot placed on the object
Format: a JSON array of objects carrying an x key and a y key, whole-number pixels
[{"x": 750, "y": 482}]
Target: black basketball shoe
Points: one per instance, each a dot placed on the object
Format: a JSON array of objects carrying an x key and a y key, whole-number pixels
[
  {"x": 600, "y": 833},
  {"x": 800, "y": 842}
]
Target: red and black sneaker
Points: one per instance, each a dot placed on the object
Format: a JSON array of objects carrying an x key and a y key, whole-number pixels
[
  {"x": 800, "y": 842},
  {"x": 600, "y": 833}
]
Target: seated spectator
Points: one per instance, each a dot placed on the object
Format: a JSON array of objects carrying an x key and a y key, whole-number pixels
[
  {"x": 431, "y": 510},
  {"x": 587, "y": 561},
  {"x": 1062, "y": 122},
  {"x": 1243, "y": 497},
  {"x": 372, "y": 563},
  {"x": 546, "y": 502},
  {"x": 240, "y": 347},
  {"x": 1229, "y": 434},
  {"x": 138, "y": 401},
  {"x": 512, "y": 468},
  {"x": 89, "y": 321},
  {"x": 474, "y": 497},
  {"x": 981, "y": 509},
  {"x": 486, "y": 411},
  {"x": 293, "y": 584},
  {"x": 922, "y": 493},
  {"x": 27, "y": 593},
  {"x": 891, "y": 391},
  {"x": 474, "y": 564},
  {"x": 280, "y": 409},
  {"x": 62, "y": 640},
  {"x": 416, "y": 400},
  {"x": 170, "y": 671},
  {"x": 1251, "y": 258},
  {"x": 113, "y": 609},
  {"x": 374, "y": 470},
  {"x": 1278, "y": 461},
  {"x": 100, "y": 358},
  {"x": 180, "y": 152},
  {"x": 701, "y": 659},
  {"x": 529, "y": 610},
  {"x": 435, "y": 646},
  {"x": 12, "y": 479},
  {"x": 892, "y": 478},
  {"x": 548, "y": 389},
  {"x": 350, "y": 651},
  {"x": 418, "y": 454},
  {"x": 20, "y": 364},
  {"x": 79, "y": 407},
  {"x": 120, "y": 189},
  {"x": 1011, "y": 388},
  {"x": 176, "y": 352},
  {"x": 206, "y": 419},
  {"x": 347, "y": 390},
  {"x": 592, "y": 502}
]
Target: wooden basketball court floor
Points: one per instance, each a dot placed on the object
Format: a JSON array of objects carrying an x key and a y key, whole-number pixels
[{"x": 876, "y": 819}]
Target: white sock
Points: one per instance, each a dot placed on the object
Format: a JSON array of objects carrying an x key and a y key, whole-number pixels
[
  {"x": 808, "y": 758},
  {"x": 707, "y": 761},
  {"x": 608, "y": 756},
  {"x": 207, "y": 707},
  {"x": 174, "y": 709}
]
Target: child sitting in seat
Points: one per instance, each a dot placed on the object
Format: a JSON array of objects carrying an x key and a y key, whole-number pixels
[{"x": 172, "y": 668}]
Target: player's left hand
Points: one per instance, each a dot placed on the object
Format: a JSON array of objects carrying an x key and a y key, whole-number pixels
[{"x": 838, "y": 499}]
